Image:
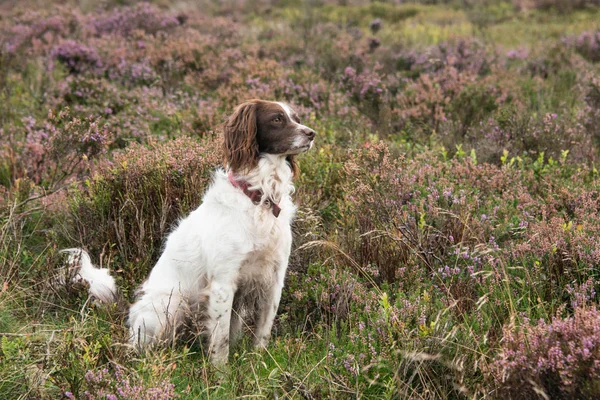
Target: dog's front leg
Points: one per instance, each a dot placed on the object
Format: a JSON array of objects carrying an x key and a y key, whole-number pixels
[
  {"x": 219, "y": 318},
  {"x": 267, "y": 309},
  {"x": 266, "y": 314}
]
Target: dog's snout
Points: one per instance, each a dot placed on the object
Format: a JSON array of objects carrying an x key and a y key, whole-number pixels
[{"x": 309, "y": 132}]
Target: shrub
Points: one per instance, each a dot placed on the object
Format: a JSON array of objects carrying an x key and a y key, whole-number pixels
[
  {"x": 590, "y": 114},
  {"x": 400, "y": 218},
  {"x": 588, "y": 45},
  {"x": 371, "y": 177},
  {"x": 425, "y": 101},
  {"x": 558, "y": 358},
  {"x": 468, "y": 56},
  {"x": 31, "y": 27},
  {"x": 471, "y": 105},
  {"x": 553, "y": 134},
  {"x": 115, "y": 385},
  {"x": 91, "y": 95},
  {"x": 56, "y": 149},
  {"x": 368, "y": 92},
  {"x": 76, "y": 56},
  {"x": 562, "y": 237},
  {"x": 143, "y": 16}
]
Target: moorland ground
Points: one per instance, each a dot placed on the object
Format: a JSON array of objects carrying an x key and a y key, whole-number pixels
[{"x": 447, "y": 242}]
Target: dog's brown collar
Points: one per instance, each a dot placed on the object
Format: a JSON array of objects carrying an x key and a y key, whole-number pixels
[{"x": 254, "y": 195}]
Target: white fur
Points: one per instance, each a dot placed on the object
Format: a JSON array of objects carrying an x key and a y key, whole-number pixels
[
  {"x": 102, "y": 285},
  {"x": 290, "y": 113},
  {"x": 225, "y": 253}
]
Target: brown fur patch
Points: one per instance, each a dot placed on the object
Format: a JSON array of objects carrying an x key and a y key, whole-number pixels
[
  {"x": 240, "y": 143},
  {"x": 253, "y": 128}
]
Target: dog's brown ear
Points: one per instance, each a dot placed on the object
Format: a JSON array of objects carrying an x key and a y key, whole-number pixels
[
  {"x": 291, "y": 159},
  {"x": 240, "y": 144}
]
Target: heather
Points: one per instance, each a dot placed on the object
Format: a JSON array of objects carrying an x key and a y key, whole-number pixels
[
  {"x": 559, "y": 358},
  {"x": 447, "y": 241}
]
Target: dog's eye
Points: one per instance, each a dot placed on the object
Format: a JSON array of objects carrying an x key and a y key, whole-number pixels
[{"x": 277, "y": 120}]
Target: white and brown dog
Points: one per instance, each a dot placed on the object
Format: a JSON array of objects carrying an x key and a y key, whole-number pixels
[{"x": 229, "y": 257}]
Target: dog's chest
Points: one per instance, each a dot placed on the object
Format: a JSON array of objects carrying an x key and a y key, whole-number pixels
[
  {"x": 267, "y": 251},
  {"x": 260, "y": 265}
]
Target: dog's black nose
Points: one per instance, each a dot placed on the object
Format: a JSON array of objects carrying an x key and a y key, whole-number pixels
[{"x": 310, "y": 133}]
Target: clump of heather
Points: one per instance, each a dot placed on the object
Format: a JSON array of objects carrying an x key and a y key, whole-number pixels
[
  {"x": 76, "y": 56},
  {"x": 374, "y": 247},
  {"x": 590, "y": 114},
  {"x": 116, "y": 385},
  {"x": 426, "y": 100},
  {"x": 33, "y": 27},
  {"x": 469, "y": 56},
  {"x": 406, "y": 213},
  {"x": 559, "y": 235},
  {"x": 560, "y": 358},
  {"x": 309, "y": 92},
  {"x": 453, "y": 87},
  {"x": 365, "y": 86},
  {"x": 588, "y": 45},
  {"x": 122, "y": 21},
  {"x": 57, "y": 148},
  {"x": 552, "y": 134},
  {"x": 367, "y": 90}
]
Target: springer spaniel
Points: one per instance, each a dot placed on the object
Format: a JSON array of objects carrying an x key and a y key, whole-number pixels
[{"x": 228, "y": 258}]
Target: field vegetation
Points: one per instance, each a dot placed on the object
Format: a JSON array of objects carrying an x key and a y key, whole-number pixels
[{"x": 447, "y": 243}]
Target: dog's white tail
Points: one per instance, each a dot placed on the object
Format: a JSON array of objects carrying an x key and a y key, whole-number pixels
[{"x": 102, "y": 285}]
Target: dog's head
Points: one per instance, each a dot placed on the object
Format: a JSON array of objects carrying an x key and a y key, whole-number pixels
[{"x": 258, "y": 127}]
